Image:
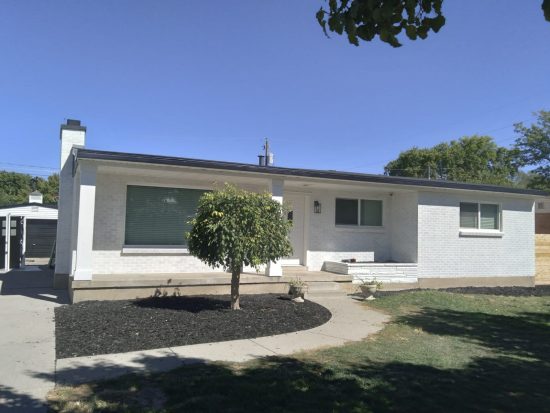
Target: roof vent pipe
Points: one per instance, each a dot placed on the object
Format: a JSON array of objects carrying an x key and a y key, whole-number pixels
[
  {"x": 261, "y": 160},
  {"x": 267, "y": 158}
]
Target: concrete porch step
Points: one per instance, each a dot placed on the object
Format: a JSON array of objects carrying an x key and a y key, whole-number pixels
[{"x": 289, "y": 270}]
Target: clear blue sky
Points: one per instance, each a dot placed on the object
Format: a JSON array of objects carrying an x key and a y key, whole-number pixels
[{"x": 211, "y": 79}]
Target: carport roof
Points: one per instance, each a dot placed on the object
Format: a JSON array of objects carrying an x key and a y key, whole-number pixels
[
  {"x": 82, "y": 153},
  {"x": 51, "y": 206}
]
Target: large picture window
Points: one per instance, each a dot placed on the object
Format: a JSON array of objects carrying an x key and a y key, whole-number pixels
[
  {"x": 361, "y": 212},
  {"x": 159, "y": 216},
  {"x": 479, "y": 216}
]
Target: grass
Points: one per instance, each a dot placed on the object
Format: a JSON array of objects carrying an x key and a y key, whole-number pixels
[{"x": 442, "y": 352}]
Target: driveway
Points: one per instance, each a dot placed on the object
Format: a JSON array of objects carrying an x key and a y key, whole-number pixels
[{"x": 27, "y": 338}]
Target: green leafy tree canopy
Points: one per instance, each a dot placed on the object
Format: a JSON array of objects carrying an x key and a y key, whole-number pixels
[
  {"x": 386, "y": 19},
  {"x": 533, "y": 146},
  {"x": 15, "y": 187},
  {"x": 234, "y": 227},
  {"x": 476, "y": 159}
]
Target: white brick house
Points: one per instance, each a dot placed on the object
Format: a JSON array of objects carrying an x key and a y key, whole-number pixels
[{"x": 120, "y": 219}]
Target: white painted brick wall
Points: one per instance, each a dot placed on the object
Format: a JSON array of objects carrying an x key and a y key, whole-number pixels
[
  {"x": 443, "y": 253},
  {"x": 327, "y": 242},
  {"x": 63, "y": 255},
  {"x": 109, "y": 227}
]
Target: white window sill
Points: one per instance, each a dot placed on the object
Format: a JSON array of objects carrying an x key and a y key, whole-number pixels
[
  {"x": 154, "y": 249},
  {"x": 357, "y": 228},
  {"x": 481, "y": 233}
]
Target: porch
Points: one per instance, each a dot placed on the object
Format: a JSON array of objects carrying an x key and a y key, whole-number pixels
[{"x": 129, "y": 286}]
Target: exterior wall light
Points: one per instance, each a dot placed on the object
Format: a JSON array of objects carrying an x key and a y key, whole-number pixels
[{"x": 316, "y": 207}]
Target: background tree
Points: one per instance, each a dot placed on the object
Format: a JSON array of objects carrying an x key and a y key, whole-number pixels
[
  {"x": 386, "y": 19},
  {"x": 533, "y": 147},
  {"x": 15, "y": 187},
  {"x": 476, "y": 159},
  {"x": 49, "y": 188},
  {"x": 234, "y": 227}
]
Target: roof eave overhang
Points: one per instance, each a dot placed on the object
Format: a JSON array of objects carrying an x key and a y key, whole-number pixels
[{"x": 293, "y": 173}]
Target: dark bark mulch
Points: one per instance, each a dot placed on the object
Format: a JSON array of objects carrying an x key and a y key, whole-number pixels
[
  {"x": 102, "y": 327},
  {"x": 537, "y": 291}
]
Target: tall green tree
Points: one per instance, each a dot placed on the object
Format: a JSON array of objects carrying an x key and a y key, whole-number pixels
[
  {"x": 386, "y": 19},
  {"x": 15, "y": 187},
  {"x": 233, "y": 228},
  {"x": 533, "y": 146},
  {"x": 476, "y": 159},
  {"x": 49, "y": 188}
]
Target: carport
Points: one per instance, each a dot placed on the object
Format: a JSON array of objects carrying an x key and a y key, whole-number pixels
[{"x": 28, "y": 233}]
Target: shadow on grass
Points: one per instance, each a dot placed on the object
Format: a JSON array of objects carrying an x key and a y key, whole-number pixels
[
  {"x": 526, "y": 334},
  {"x": 516, "y": 379},
  {"x": 190, "y": 304}
]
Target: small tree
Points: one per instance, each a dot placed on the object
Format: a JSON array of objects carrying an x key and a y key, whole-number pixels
[{"x": 234, "y": 227}]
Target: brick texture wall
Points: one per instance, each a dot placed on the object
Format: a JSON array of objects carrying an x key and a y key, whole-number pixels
[{"x": 442, "y": 252}]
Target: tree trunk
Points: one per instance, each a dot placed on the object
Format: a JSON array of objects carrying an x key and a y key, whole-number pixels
[{"x": 235, "y": 281}]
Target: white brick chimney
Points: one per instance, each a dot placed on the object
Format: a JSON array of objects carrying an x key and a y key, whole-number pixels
[{"x": 73, "y": 134}]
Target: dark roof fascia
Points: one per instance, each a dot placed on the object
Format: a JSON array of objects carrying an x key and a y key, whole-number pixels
[
  {"x": 74, "y": 127},
  {"x": 298, "y": 172},
  {"x": 51, "y": 206}
]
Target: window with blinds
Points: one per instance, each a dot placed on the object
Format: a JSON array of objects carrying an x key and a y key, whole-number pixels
[
  {"x": 479, "y": 216},
  {"x": 159, "y": 216},
  {"x": 363, "y": 212}
]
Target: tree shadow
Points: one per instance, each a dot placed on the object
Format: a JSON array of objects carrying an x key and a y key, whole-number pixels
[
  {"x": 516, "y": 378},
  {"x": 13, "y": 401},
  {"x": 286, "y": 384},
  {"x": 33, "y": 282},
  {"x": 191, "y": 304},
  {"x": 526, "y": 334}
]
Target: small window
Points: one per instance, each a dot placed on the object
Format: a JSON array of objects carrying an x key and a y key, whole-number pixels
[
  {"x": 479, "y": 216},
  {"x": 363, "y": 212},
  {"x": 346, "y": 211},
  {"x": 371, "y": 213},
  {"x": 468, "y": 215}
]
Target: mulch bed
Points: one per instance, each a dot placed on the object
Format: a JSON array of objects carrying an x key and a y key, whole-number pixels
[
  {"x": 103, "y": 327},
  {"x": 537, "y": 291}
]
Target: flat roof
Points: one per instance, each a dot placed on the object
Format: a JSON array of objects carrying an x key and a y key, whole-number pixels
[
  {"x": 26, "y": 204},
  {"x": 82, "y": 153}
]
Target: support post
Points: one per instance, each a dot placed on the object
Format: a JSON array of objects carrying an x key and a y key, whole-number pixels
[
  {"x": 85, "y": 231},
  {"x": 274, "y": 269}
]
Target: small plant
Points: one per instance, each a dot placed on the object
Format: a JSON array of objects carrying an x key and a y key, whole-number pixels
[
  {"x": 372, "y": 281},
  {"x": 297, "y": 288},
  {"x": 369, "y": 287}
]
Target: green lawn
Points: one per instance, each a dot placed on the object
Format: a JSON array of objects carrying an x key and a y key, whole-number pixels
[{"x": 441, "y": 352}]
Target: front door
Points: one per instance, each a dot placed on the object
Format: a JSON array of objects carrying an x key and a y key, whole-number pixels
[{"x": 296, "y": 206}]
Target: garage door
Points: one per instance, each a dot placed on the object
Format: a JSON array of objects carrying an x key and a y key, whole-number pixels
[{"x": 40, "y": 237}]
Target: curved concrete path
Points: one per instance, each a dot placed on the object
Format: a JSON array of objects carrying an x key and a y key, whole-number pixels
[{"x": 350, "y": 321}]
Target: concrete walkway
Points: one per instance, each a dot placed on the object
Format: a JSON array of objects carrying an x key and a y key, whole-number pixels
[
  {"x": 27, "y": 339},
  {"x": 350, "y": 321}
]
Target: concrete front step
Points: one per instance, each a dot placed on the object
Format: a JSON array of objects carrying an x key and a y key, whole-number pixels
[{"x": 294, "y": 270}]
